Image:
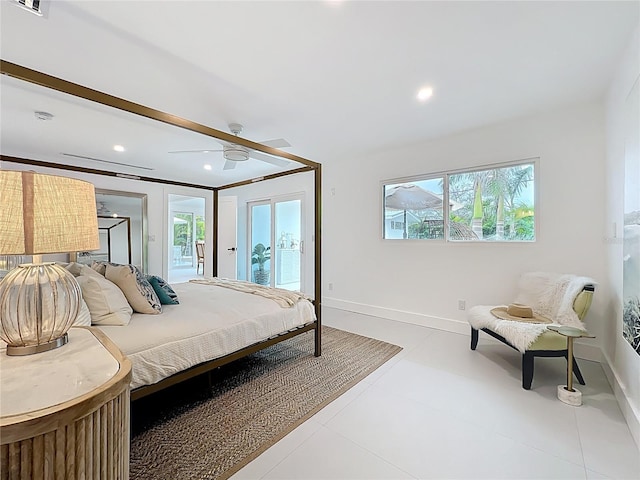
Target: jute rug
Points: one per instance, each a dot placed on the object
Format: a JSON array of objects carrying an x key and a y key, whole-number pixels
[{"x": 201, "y": 430}]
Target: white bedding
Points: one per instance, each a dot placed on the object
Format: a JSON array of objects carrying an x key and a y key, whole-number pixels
[{"x": 209, "y": 322}]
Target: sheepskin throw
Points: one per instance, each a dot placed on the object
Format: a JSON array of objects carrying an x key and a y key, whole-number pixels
[{"x": 549, "y": 294}]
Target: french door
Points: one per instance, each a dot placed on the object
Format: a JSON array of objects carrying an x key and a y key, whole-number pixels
[
  {"x": 275, "y": 242},
  {"x": 182, "y": 244}
]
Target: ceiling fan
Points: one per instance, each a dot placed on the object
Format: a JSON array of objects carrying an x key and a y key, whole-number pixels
[{"x": 233, "y": 153}]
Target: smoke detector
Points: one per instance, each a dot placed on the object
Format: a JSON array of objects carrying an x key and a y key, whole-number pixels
[{"x": 43, "y": 115}]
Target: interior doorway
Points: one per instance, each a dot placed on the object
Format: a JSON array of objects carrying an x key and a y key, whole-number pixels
[{"x": 186, "y": 227}]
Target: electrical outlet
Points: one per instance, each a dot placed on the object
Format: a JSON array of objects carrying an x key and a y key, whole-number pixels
[
  {"x": 330, "y": 286},
  {"x": 462, "y": 304}
]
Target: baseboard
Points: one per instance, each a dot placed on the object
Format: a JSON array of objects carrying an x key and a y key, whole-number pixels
[
  {"x": 582, "y": 349},
  {"x": 423, "y": 320},
  {"x": 629, "y": 410}
]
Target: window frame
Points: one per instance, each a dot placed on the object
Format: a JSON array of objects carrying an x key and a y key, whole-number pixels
[{"x": 445, "y": 174}]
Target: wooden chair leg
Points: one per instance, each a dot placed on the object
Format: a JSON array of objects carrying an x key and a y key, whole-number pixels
[
  {"x": 474, "y": 338},
  {"x": 527, "y": 370}
]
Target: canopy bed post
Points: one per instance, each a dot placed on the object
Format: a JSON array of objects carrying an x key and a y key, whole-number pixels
[
  {"x": 318, "y": 264},
  {"x": 215, "y": 233}
]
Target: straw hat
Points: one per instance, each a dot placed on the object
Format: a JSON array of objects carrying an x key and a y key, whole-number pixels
[{"x": 519, "y": 313}]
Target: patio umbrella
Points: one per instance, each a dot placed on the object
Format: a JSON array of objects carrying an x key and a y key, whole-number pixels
[{"x": 411, "y": 197}]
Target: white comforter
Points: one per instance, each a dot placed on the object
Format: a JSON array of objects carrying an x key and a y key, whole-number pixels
[{"x": 210, "y": 322}]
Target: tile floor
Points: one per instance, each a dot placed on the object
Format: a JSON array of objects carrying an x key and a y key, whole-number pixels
[
  {"x": 182, "y": 275},
  {"x": 440, "y": 410}
]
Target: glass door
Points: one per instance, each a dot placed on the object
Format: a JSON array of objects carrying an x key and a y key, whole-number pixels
[
  {"x": 276, "y": 243},
  {"x": 260, "y": 245},
  {"x": 289, "y": 237},
  {"x": 183, "y": 239}
]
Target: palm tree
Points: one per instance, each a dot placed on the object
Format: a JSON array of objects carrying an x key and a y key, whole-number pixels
[
  {"x": 503, "y": 186},
  {"x": 478, "y": 215},
  {"x": 506, "y": 184}
]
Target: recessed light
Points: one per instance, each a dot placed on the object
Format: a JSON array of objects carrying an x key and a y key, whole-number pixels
[
  {"x": 425, "y": 93},
  {"x": 207, "y": 167},
  {"x": 118, "y": 148}
]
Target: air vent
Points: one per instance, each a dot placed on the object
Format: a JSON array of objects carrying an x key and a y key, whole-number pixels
[
  {"x": 105, "y": 161},
  {"x": 32, "y": 6}
]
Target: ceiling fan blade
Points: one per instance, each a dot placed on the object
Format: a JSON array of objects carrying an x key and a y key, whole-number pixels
[
  {"x": 280, "y": 162},
  {"x": 276, "y": 143},
  {"x": 229, "y": 165},
  {"x": 196, "y": 151}
]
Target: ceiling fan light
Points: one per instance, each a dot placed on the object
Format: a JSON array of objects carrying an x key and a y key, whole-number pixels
[{"x": 236, "y": 153}]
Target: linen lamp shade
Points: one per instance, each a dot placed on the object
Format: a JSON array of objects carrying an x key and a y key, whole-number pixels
[
  {"x": 46, "y": 214},
  {"x": 42, "y": 214}
]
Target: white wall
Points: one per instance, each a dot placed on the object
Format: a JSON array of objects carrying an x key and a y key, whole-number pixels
[
  {"x": 623, "y": 362},
  {"x": 157, "y": 213},
  {"x": 420, "y": 281}
]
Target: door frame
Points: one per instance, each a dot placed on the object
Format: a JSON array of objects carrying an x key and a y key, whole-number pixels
[{"x": 167, "y": 236}]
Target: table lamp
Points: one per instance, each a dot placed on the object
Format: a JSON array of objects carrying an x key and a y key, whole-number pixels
[{"x": 42, "y": 214}]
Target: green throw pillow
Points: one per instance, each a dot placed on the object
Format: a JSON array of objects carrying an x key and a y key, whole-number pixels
[{"x": 164, "y": 291}]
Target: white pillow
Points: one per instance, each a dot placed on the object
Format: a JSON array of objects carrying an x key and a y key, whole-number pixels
[
  {"x": 107, "y": 304},
  {"x": 84, "y": 315},
  {"x": 76, "y": 269}
]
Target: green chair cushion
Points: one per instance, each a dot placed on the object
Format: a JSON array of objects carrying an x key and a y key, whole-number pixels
[{"x": 549, "y": 341}]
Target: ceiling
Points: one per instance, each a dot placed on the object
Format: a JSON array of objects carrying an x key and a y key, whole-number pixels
[{"x": 337, "y": 80}]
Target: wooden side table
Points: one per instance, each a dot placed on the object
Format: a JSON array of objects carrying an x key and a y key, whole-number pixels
[{"x": 65, "y": 413}]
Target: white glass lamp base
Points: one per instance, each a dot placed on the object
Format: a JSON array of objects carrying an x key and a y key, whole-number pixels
[
  {"x": 38, "y": 304},
  {"x": 43, "y": 347}
]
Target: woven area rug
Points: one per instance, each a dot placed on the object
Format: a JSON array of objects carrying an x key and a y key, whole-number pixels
[{"x": 201, "y": 430}]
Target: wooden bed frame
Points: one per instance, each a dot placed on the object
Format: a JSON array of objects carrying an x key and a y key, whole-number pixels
[
  {"x": 48, "y": 81},
  {"x": 205, "y": 367}
]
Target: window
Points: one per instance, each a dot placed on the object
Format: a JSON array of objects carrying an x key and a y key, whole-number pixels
[
  {"x": 414, "y": 209},
  {"x": 488, "y": 204}
]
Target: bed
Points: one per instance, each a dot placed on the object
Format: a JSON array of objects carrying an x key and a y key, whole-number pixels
[
  {"x": 156, "y": 327},
  {"x": 211, "y": 326}
]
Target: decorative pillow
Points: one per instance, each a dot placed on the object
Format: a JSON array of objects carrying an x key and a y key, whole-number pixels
[
  {"x": 139, "y": 292},
  {"x": 101, "y": 266},
  {"x": 84, "y": 315},
  {"x": 164, "y": 291},
  {"x": 106, "y": 302},
  {"x": 76, "y": 269}
]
